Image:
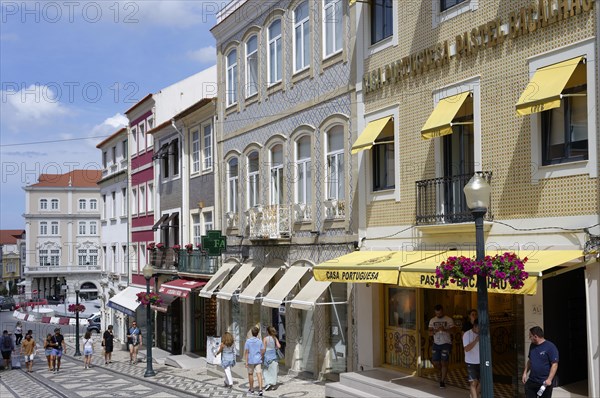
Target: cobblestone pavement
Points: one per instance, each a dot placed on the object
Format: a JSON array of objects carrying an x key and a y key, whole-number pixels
[{"x": 120, "y": 379}]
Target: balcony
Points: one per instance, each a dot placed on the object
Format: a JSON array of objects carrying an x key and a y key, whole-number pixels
[
  {"x": 196, "y": 263},
  {"x": 302, "y": 213},
  {"x": 164, "y": 259},
  {"x": 269, "y": 222},
  {"x": 62, "y": 269},
  {"x": 442, "y": 200},
  {"x": 335, "y": 209}
]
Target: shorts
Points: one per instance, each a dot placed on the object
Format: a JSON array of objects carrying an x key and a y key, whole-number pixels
[
  {"x": 473, "y": 371},
  {"x": 29, "y": 358},
  {"x": 441, "y": 352},
  {"x": 6, "y": 354},
  {"x": 87, "y": 351},
  {"x": 48, "y": 352},
  {"x": 132, "y": 345},
  {"x": 57, "y": 353},
  {"x": 254, "y": 368}
]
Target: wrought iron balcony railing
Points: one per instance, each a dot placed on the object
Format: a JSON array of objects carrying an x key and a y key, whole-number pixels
[
  {"x": 269, "y": 222},
  {"x": 164, "y": 259},
  {"x": 195, "y": 262},
  {"x": 442, "y": 200}
]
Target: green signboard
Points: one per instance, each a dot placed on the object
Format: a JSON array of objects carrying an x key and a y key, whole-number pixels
[{"x": 213, "y": 243}]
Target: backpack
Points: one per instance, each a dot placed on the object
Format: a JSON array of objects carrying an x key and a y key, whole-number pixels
[{"x": 6, "y": 343}]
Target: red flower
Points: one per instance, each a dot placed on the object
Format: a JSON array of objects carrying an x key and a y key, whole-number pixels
[
  {"x": 148, "y": 298},
  {"x": 176, "y": 247},
  {"x": 189, "y": 247},
  {"x": 76, "y": 308},
  {"x": 160, "y": 246}
]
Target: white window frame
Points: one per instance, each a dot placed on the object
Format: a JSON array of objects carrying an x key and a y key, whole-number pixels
[
  {"x": 207, "y": 226},
  {"x": 93, "y": 257},
  {"x": 251, "y": 57},
  {"x": 113, "y": 205},
  {"x": 142, "y": 197},
  {"x": 93, "y": 228},
  {"x": 334, "y": 155},
  {"x": 104, "y": 207},
  {"x": 134, "y": 198},
  {"x": 276, "y": 177},
  {"x": 305, "y": 165},
  {"x": 82, "y": 202},
  {"x": 196, "y": 229},
  {"x": 150, "y": 196},
  {"x": 302, "y": 24},
  {"x": 231, "y": 80},
  {"x": 195, "y": 151},
  {"x": 54, "y": 228},
  {"x": 584, "y": 48},
  {"x": 253, "y": 180},
  {"x": 54, "y": 204},
  {"x": 232, "y": 186},
  {"x": 134, "y": 140},
  {"x": 43, "y": 204},
  {"x": 81, "y": 257},
  {"x": 81, "y": 228},
  {"x": 275, "y": 63},
  {"x": 332, "y": 4},
  {"x": 391, "y": 41},
  {"x": 93, "y": 204},
  {"x": 207, "y": 147},
  {"x": 123, "y": 202},
  {"x": 142, "y": 135},
  {"x": 438, "y": 16},
  {"x": 149, "y": 137},
  {"x": 44, "y": 257},
  {"x": 44, "y": 228},
  {"x": 54, "y": 257}
]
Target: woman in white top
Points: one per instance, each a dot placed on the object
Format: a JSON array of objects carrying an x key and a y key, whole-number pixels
[
  {"x": 88, "y": 350},
  {"x": 271, "y": 361}
]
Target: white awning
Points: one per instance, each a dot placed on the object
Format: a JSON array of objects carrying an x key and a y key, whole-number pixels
[
  {"x": 238, "y": 278},
  {"x": 257, "y": 285},
  {"x": 126, "y": 301},
  {"x": 285, "y": 285},
  {"x": 213, "y": 284},
  {"x": 308, "y": 296}
]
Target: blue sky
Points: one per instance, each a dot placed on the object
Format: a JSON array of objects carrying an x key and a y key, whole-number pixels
[{"x": 69, "y": 70}]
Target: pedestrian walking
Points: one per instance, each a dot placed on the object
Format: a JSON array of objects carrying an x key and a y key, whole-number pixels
[
  {"x": 48, "y": 350},
  {"x": 471, "y": 344},
  {"x": 108, "y": 344},
  {"x": 58, "y": 349},
  {"x": 440, "y": 327},
  {"x": 271, "y": 345},
  {"x": 542, "y": 364},
  {"x": 7, "y": 347},
  {"x": 28, "y": 350},
  {"x": 134, "y": 341},
  {"x": 253, "y": 350},
  {"x": 468, "y": 323},
  {"x": 88, "y": 350},
  {"x": 18, "y": 333},
  {"x": 227, "y": 351}
]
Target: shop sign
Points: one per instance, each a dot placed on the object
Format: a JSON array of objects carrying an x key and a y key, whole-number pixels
[
  {"x": 353, "y": 276},
  {"x": 428, "y": 280},
  {"x": 520, "y": 22}
]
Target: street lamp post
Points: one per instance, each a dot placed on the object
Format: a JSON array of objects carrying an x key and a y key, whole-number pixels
[
  {"x": 148, "y": 271},
  {"x": 77, "y": 352},
  {"x": 477, "y": 193}
]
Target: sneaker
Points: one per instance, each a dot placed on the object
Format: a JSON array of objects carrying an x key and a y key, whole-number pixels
[
  {"x": 106, "y": 362},
  {"x": 442, "y": 384},
  {"x": 267, "y": 387},
  {"x": 250, "y": 392},
  {"x": 260, "y": 393}
]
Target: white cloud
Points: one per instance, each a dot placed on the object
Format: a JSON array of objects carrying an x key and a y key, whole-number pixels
[
  {"x": 116, "y": 121},
  {"x": 205, "y": 55}
]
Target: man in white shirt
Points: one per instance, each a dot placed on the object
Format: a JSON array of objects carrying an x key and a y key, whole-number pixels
[
  {"x": 471, "y": 344},
  {"x": 440, "y": 327}
]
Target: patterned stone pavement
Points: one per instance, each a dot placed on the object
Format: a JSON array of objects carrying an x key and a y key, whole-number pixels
[{"x": 120, "y": 379}]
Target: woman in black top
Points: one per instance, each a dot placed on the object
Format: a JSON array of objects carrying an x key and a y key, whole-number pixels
[{"x": 107, "y": 343}]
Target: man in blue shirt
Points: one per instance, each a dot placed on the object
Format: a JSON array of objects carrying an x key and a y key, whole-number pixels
[
  {"x": 253, "y": 352},
  {"x": 541, "y": 365}
]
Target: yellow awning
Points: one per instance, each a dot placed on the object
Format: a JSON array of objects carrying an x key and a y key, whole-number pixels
[
  {"x": 422, "y": 274},
  {"x": 440, "y": 120},
  {"x": 367, "y": 138},
  {"x": 546, "y": 86},
  {"x": 368, "y": 266}
]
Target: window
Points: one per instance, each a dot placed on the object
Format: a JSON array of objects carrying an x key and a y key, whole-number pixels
[
  {"x": 81, "y": 256},
  {"x": 303, "y": 179},
  {"x": 208, "y": 221},
  {"x": 134, "y": 201},
  {"x": 114, "y": 154},
  {"x": 103, "y": 207},
  {"x": 149, "y": 137},
  {"x": 125, "y": 149},
  {"x": 54, "y": 204},
  {"x": 43, "y": 228},
  {"x": 382, "y": 20},
  {"x": 252, "y": 66},
  {"x": 93, "y": 204},
  {"x": 134, "y": 140},
  {"x": 54, "y": 258},
  {"x": 231, "y": 86},
  {"x": 565, "y": 129},
  {"x": 275, "y": 52},
  {"x": 207, "y": 150},
  {"x": 54, "y": 228},
  {"x": 332, "y": 27},
  {"x": 335, "y": 163},
  {"x": 142, "y": 199},
  {"x": 301, "y": 37},
  {"x": 43, "y": 204},
  {"x": 196, "y": 229},
  {"x": 175, "y": 153},
  {"x": 445, "y": 4},
  {"x": 382, "y": 154},
  {"x": 93, "y": 256},
  {"x": 195, "y": 151},
  {"x": 277, "y": 175},
  {"x": 150, "y": 197},
  {"x": 232, "y": 185},
  {"x": 81, "y": 230},
  {"x": 253, "y": 179},
  {"x": 93, "y": 228},
  {"x": 124, "y": 202},
  {"x": 142, "y": 135},
  {"x": 82, "y": 204},
  {"x": 104, "y": 159},
  {"x": 150, "y": 122},
  {"x": 113, "y": 210},
  {"x": 43, "y": 256}
]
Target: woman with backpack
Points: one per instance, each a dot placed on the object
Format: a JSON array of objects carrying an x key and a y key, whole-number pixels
[{"x": 271, "y": 359}]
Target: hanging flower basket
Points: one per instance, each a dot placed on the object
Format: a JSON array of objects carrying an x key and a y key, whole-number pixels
[
  {"x": 76, "y": 308},
  {"x": 152, "y": 246},
  {"x": 160, "y": 246},
  {"x": 189, "y": 247},
  {"x": 176, "y": 247},
  {"x": 507, "y": 267},
  {"x": 149, "y": 298}
]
